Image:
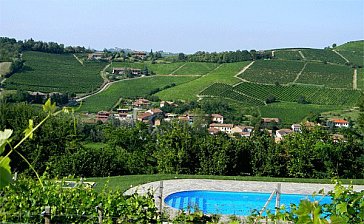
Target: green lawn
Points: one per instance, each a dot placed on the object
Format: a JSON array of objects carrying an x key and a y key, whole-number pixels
[
  {"x": 56, "y": 73},
  {"x": 125, "y": 182},
  {"x": 189, "y": 91},
  {"x": 130, "y": 88},
  {"x": 291, "y": 113}
]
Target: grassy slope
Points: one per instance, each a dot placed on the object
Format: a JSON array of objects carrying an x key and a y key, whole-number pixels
[
  {"x": 125, "y": 182},
  {"x": 188, "y": 91},
  {"x": 4, "y": 68},
  {"x": 56, "y": 73},
  {"x": 360, "y": 78},
  {"x": 291, "y": 112},
  {"x": 130, "y": 88}
]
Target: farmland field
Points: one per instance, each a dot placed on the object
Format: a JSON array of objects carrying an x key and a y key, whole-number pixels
[
  {"x": 287, "y": 55},
  {"x": 196, "y": 68},
  {"x": 290, "y": 112},
  {"x": 335, "y": 76},
  {"x": 315, "y": 95},
  {"x": 355, "y": 57},
  {"x": 4, "y": 68},
  {"x": 272, "y": 71},
  {"x": 360, "y": 78},
  {"x": 56, "y": 73},
  {"x": 189, "y": 91},
  {"x": 322, "y": 55},
  {"x": 130, "y": 88}
]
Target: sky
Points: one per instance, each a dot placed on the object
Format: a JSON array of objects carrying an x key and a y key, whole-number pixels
[{"x": 185, "y": 25}]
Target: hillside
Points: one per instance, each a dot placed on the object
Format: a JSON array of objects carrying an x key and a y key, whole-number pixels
[{"x": 322, "y": 78}]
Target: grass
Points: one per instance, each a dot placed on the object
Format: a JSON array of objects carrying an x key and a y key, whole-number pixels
[
  {"x": 272, "y": 71},
  {"x": 56, "y": 73},
  {"x": 334, "y": 76},
  {"x": 189, "y": 91},
  {"x": 123, "y": 183},
  {"x": 138, "y": 87},
  {"x": 290, "y": 112},
  {"x": 4, "y": 68}
]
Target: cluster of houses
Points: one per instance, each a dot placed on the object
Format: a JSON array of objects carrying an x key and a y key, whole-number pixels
[
  {"x": 141, "y": 111},
  {"x": 99, "y": 55}
]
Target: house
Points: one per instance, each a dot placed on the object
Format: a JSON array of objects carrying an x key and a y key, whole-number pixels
[
  {"x": 165, "y": 103},
  {"x": 223, "y": 127},
  {"x": 124, "y": 71},
  {"x": 217, "y": 118},
  {"x": 213, "y": 131},
  {"x": 170, "y": 116},
  {"x": 241, "y": 128},
  {"x": 296, "y": 128},
  {"x": 145, "y": 117},
  {"x": 141, "y": 103},
  {"x": 281, "y": 133},
  {"x": 96, "y": 56},
  {"x": 139, "y": 54},
  {"x": 338, "y": 138},
  {"x": 270, "y": 123},
  {"x": 155, "y": 111},
  {"x": 103, "y": 116},
  {"x": 339, "y": 123}
]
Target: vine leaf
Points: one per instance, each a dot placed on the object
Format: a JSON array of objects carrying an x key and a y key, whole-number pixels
[
  {"x": 29, "y": 129},
  {"x": 4, "y": 136},
  {"x": 49, "y": 107},
  {"x": 5, "y": 172}
]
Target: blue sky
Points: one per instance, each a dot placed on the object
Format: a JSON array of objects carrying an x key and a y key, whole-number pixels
[{"x": 185, "y": 26}]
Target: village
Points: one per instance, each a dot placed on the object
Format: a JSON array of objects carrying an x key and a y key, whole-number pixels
[{"x": 141, "y": 110}]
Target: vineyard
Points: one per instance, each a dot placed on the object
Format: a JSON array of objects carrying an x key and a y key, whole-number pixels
[
  {"x": 334, "y": 76},
  {"x": 314, "y": 95},
  {"x": 322, "y": 55},
  {"x": 287, "y": 55},
  {"x": 195, "y": 68},
  {"x": 160, "y": 69},
  {"x": 291, "y": 112},
  {"x": 188, "y": 91},
  {"x": 272, "y": 71},
  {"x": 226, "y": 91},
  {"x": 355, "y": 57},
  {"x": 138, "y": 87},
  {"x": 56, "y": 73}
]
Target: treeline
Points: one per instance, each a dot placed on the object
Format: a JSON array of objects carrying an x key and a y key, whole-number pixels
[
  {"x": 11, "y": 48},
  {"x": 225, "y": 57},
  {"x": 178, "y": 148}
]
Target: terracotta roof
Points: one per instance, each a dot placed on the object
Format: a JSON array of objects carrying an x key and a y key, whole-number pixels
[
  {"x": 284, "y": 131},
  {"x": 341, "y": 121},
  {"x": 268, "y": 119},
  {"x": 213, "y": 130}
]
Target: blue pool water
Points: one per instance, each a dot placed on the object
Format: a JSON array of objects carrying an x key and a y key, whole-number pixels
[{"x": 232, "y": 203}]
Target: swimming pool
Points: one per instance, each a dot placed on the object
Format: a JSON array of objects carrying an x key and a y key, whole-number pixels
[{"x": 231, "y": 203}]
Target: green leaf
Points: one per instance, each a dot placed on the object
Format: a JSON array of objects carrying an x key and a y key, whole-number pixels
[
  {"x": 5, "y": 172},
  {"x": 29, "y": 129},
  {"x": 49, "y": 107},
  {"x": 4, "y": 136},
  {"x": 342, "y": 208},
  {"x": 338, "y": 219}
]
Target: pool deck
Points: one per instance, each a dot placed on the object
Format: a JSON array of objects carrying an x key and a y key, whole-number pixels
[{"x": 172, "y": 186}]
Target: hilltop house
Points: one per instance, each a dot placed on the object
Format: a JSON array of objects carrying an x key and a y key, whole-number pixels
[
  {"x": 139, "y": 54},
  {"x": 98, "y": 56},
  {"x": 124, "y": 71},
  {"x": 339, "y": 123},
  {"x": 217, "y": 118}
]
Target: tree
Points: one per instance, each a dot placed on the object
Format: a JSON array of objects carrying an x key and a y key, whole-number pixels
[
  {"x": 302, "y": 100},
  {"x": 271, "y": 99}
]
